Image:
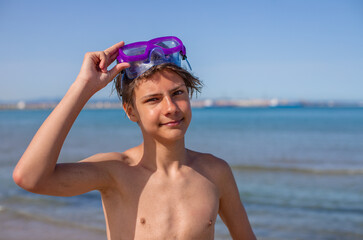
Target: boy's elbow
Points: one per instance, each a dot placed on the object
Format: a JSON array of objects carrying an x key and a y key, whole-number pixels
[
  {"x": 22, "y": 180},
  {"x": 19, "y": 178}
]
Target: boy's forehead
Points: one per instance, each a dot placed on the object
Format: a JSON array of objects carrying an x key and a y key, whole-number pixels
[{"x": 160, "y": 81}]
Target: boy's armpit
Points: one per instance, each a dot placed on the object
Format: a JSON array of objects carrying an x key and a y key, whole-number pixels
[{"x": 115, "y": 170}]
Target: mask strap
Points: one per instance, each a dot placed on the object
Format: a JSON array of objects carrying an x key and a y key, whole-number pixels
[
  {"x": 190, "y": 67},
  {"x": 184, "y": 57}
]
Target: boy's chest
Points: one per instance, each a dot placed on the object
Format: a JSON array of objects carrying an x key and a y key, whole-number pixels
[{"x": 184, "y": 207}]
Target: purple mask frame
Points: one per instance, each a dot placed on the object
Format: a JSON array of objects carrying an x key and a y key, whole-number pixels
[{"x": 150, "y": 45}]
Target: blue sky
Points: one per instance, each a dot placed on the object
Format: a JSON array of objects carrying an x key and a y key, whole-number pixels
[{"x": 311, "y": 50}]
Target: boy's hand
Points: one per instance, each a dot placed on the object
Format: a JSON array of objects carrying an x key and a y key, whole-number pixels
[{"x": 94, "y": 74}]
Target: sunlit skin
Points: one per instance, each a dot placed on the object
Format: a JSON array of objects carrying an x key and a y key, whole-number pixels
[
  {"x": 157, "y": 190},
  {"x": 186, "y": 203}
]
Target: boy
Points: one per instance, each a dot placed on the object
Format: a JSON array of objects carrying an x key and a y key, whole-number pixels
[{"x": 158, "y": 190}]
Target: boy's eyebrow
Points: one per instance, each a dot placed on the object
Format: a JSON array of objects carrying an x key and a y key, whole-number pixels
[{"x": 158, "y": 94}]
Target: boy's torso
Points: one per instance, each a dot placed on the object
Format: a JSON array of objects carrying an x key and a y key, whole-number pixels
[{"x": 153, "y": 205}]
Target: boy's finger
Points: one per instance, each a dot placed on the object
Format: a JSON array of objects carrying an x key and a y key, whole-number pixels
[
  {"x": 111, "y": 58},
  {"x": 112, "y": 52},
  {"x": 114, "y": 48},
  {"x": 117, "y": 69},
  {"x": 103, "y": 59}
]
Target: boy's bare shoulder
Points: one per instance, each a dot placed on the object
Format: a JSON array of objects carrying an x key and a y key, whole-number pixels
[
  {"x": 216, "y": 168},
  {"x": 207, "y": 160}
]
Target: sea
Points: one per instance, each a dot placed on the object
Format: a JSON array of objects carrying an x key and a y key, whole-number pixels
[{"x": 299, "y": 170}]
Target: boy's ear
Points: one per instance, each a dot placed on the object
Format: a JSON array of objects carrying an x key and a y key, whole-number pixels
[{"x": 130, "y": 112}]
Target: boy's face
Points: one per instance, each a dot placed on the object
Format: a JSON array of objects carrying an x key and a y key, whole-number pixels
[{"x": 162, "y": 106}]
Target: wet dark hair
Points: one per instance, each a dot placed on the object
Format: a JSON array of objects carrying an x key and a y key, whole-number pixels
[{"x": 125, "y": 87}]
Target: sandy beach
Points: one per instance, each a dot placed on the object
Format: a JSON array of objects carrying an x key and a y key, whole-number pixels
[{"x": 18, "y": 227}]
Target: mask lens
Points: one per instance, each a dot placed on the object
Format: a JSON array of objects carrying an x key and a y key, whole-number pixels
[
  {"x": 168, "y": 44},
  {"x": 135, "y": 51}
]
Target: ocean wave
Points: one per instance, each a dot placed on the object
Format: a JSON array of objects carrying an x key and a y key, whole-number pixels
[
  {"x": 307, "y": 170},
  {"x": 306, "y": 207},
  {"x": 34, "y": 200},
  {"x": 23, "y": 214}
]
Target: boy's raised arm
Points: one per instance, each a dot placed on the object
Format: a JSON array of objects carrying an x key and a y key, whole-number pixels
[{"x": 37, "y": 170}]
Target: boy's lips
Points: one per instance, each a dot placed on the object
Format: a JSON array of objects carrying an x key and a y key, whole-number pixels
[{"x": 172, "y": 123}]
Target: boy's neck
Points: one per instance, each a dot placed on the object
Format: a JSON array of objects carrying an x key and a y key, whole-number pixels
[{"x": 164, "y": 157}]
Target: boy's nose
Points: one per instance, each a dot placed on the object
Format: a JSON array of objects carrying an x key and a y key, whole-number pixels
[{"x": 169, "y": 106}]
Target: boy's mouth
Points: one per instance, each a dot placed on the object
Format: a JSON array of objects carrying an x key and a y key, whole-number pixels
[{"x": 172, "y": 123}]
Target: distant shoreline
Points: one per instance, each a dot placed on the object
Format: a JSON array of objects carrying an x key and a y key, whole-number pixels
[{"x": 206, "y": 103}]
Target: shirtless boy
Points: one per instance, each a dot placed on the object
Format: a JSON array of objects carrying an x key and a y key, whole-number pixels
[{"x": 157, "y": 190}]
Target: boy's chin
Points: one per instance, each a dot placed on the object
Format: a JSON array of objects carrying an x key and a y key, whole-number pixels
[{"x": 171, "y": 136}]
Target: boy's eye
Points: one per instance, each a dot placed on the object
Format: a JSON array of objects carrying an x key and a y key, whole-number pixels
[
  {"x": 178, "y": 92},
  {"x": 151, "y": 100}
]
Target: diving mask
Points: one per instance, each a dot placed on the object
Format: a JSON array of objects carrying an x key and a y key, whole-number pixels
[{"x": 143, "y": 55}]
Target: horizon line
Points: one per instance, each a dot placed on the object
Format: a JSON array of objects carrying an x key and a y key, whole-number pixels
[{"x": 201, "y": 103}]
